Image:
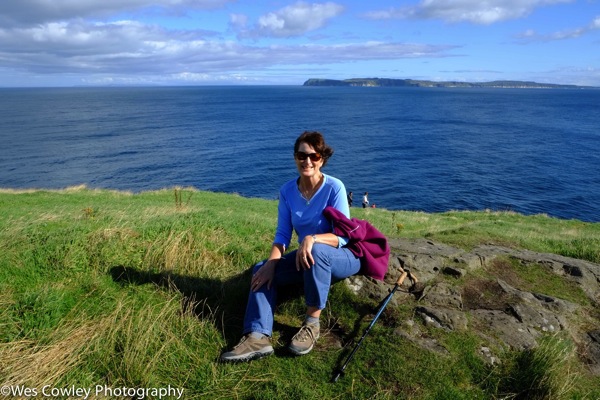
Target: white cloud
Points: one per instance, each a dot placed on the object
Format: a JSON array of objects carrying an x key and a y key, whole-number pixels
[
  {"x": 167, "y": 41},
  {"x": 135, "y": 52},
  {"x": 30, "y": 12},
  {"x": 573, "y": 33},
  {"x": 294, "y": 20},
  {"x": 529, "y": 33},
  {"x": 576, "y": 75},
  {"x": 238, "y": 21},
  {"x": 134, "y": 49},
  {"x": 475, "y": 11},
  {"x": 568, "y": 34}
]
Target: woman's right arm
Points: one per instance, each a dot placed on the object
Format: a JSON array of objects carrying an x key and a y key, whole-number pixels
[
  {"x": 265, "y": 274},
  {"x": 276, "y": 251},
  {"x": 283, "y": 235}
]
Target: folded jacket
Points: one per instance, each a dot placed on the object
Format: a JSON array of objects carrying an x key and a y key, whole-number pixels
[{"x": 364, "y": 241}]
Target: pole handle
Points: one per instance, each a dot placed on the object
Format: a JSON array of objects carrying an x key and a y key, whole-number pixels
[{"x": 401, "y": 278}]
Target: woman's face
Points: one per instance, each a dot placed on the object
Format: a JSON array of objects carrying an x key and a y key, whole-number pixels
[{"x": 306, "y": 165}]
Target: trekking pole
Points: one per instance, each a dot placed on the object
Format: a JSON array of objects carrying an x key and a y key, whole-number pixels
[{"x": 399, "y": 282}]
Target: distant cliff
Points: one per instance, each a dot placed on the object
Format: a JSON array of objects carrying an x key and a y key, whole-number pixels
[{"x": 376, "y": 82}]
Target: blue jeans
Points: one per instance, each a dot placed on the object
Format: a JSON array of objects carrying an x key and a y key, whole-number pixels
[{"x": 332, "y": 264}]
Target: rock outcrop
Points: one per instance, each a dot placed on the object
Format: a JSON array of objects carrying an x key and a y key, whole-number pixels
[{"x": 480, "y": 291}]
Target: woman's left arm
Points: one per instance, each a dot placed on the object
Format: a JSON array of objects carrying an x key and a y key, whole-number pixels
[
  {"x": 339, "y": 200},
  {"x": 304, "y": 258}
]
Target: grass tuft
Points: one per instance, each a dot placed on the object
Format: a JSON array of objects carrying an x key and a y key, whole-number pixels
[{"x": 544, "y": 372}]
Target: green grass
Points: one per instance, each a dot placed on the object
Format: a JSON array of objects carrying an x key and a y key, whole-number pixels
[
  {"x": 145, "y": 290},
  {"x": 545, "y": 372}
]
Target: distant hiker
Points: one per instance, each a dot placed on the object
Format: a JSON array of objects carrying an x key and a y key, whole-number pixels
[
  {"x": 350, "y": 200},
  {"x": 365, "y": 200}
]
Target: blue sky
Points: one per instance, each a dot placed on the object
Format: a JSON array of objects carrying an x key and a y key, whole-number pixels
[{"x": 255, "y": 42}]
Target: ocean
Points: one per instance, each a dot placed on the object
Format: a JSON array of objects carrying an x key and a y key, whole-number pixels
[{"x": 422, "y": 149}]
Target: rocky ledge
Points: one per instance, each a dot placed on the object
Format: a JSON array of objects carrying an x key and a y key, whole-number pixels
[{"x": 480, "y": 291}]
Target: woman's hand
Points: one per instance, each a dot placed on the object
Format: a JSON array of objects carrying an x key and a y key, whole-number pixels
[
  {"x": 304, "y": 258},
  {"x": 264, "y": 275}
]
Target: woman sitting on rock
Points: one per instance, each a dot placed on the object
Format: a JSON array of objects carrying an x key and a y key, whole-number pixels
[{"x": 320, "y": 259}]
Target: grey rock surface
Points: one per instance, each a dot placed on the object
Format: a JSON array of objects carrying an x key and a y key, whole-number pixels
[{"x": 458, "y": 298}]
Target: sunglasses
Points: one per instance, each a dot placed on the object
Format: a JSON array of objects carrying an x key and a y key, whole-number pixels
[{"x": 301, "y": 156}]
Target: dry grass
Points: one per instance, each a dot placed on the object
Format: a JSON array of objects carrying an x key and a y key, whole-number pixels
[
  {"x": 134, "y": 343},
  {"x": 190, "y": 254},
  {"x": 68, "y": 189},
  {"x": 26, "y": 363}
]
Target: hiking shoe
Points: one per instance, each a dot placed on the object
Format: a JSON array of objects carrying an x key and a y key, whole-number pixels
[
  {"x": 304, "y": 341},
  {"x": 248, "y": 349}
]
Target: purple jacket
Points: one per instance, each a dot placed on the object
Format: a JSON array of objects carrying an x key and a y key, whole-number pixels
[{"x": 364, "y": 241}]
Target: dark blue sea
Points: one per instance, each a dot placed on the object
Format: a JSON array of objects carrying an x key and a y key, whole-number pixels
[{"x": 526, "y": 150}]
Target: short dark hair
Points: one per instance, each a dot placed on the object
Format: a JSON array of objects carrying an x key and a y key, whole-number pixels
[{"x": 317, "y": 142}]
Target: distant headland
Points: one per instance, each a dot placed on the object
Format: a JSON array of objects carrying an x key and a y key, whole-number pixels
[{"x": 377, "y": 82}]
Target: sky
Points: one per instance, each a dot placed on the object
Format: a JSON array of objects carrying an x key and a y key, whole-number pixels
[{"x": 282, "y": 42}]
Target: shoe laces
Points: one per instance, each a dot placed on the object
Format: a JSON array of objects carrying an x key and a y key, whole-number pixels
[{"x": 304, "y": 333}]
